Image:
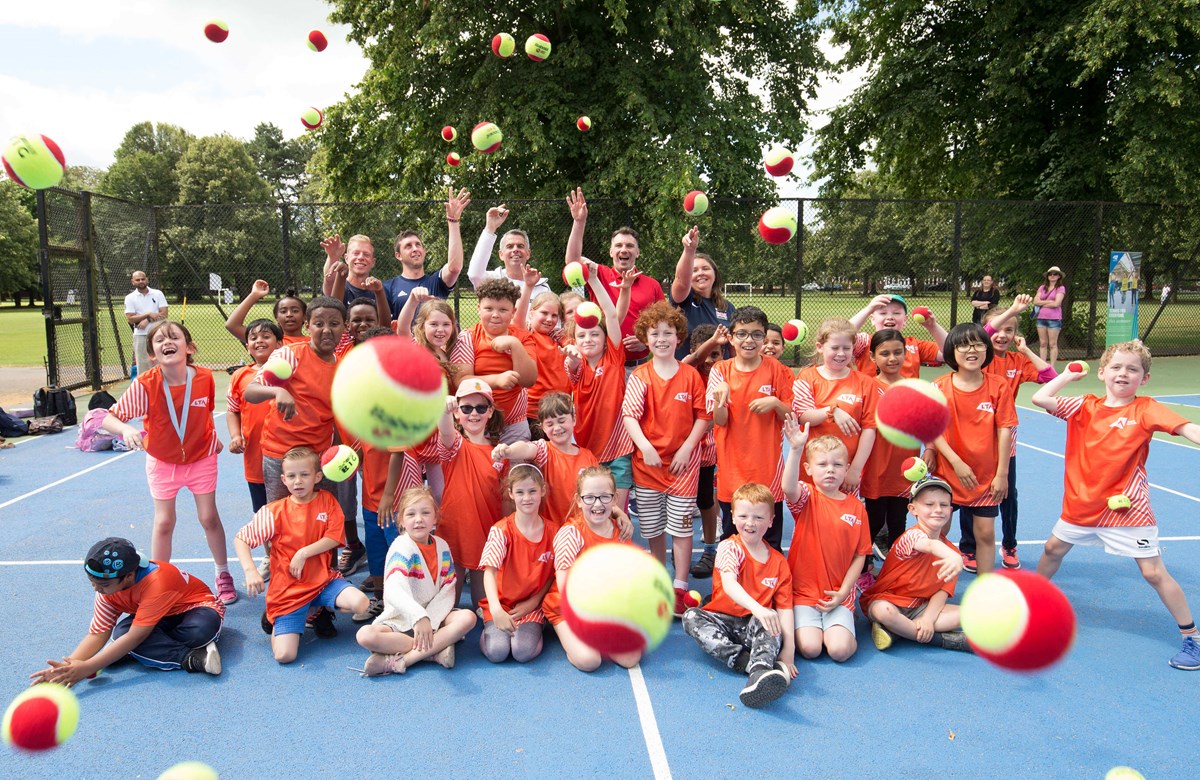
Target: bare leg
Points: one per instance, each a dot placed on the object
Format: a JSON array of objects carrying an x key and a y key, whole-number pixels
[
  {"x": 985, "y": 544},
  {"x": 385, "y": 641},
  {"x": 1167, "y": 588},
  {"x": 809, "y": 641},
  {"x": 1052, "y": 556},
  {"x": 841, "y": 644},
  {"x": 581, "y": 656},
  {"x": 214, "y": 532},
  {"x": 164, "y": 529},
  {"x": 658, "y": 548},
  {"x": 285, "y": 647},
  {"x": 352, "y": 600},
  {"x": 681, "y": 553},
  {"x": 1053, "y": 345},
  {"x": 1043, "y": 342}
]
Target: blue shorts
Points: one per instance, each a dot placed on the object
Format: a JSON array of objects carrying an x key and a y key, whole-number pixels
[
  {"x": 1051, "y": 324},
  {"x": 293, "y": 622},
  {"x": 622, "y": 470}
]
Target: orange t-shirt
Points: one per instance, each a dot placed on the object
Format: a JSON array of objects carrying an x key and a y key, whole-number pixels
[
  {"x": 159, "y": 590},
  {"x": 569, "y": 543},
  {"x": 290, "y": 340},
  {"x": 856, "y": 394},
  {"x": 561, "y": 472},
  {"x": 471, "y": 499},
  {"x": 829, "y": 534},
  {"x": 290, "y": 526},
  {"x": 666, "y": 409},
  {"x": 1015, "y": 369},
  {"x": 882, "y": 477},
  {"x": 145, "y": 398},
  {"x": 598, "y": 393},
  {"x": 524, "y": 566},
  {"x": 312, "y": 424},
  {"x": 551, "y": 370},
  {"x": 768, "y": 582},
  {"x": 1106, "y": 453},
  {"x": 253, "y": 416},
  {"x": 749, "y": 445},
  {"x": 909, "y": 577},
  {"x": 916, "y": 352},
  {"x": 474, "y": 348},
  {"x": 976, "y": 418}
]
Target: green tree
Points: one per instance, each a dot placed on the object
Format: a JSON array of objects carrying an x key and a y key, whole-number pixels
[
  {"x": 18, "y": 240},
  {"x": 143, "y": 168},
  {"x": 282, "y": 163}
]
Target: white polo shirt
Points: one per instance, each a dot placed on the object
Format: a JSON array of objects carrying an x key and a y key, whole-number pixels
[{"x": 150, "y": 303}]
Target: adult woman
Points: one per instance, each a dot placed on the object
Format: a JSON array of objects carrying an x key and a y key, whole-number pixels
[
  {"x": 987, "y": 296},
  {"x": 696, "y": 290},
  {"x": 1049, "y": 301}
]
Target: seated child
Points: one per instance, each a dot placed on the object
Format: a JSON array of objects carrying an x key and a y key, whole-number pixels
[
  {"x": 748, "y": 624},
  {"x": 419, "y": 618},
  {"x": 172, "y": 619},
  {"x": 919, "y": 576},
  {"x": 304, "y": 528}
]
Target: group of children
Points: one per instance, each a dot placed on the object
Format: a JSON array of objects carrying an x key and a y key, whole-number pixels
[{"x": 546, "y": 436}]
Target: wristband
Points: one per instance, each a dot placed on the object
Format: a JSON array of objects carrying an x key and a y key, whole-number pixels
[{"x": 448, "y": 219}]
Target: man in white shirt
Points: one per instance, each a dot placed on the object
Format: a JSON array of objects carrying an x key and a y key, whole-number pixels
[
  {"x": 514, "y": 252},
  {"x": 143, "y": 307}
]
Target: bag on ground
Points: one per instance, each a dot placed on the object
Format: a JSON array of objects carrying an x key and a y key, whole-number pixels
[
  {"x": 55, "y": 401},
  {"x": 93, "y": 438}
]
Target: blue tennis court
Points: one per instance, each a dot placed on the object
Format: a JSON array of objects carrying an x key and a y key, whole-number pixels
[
  {"x": 1192, "y": 399},
  {"x": 913, "y": 711}
]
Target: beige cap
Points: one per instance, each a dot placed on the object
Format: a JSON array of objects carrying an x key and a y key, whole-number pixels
[{"x": 473, "y": 385}]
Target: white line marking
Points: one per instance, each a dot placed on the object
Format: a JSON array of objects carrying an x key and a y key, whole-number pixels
[
  {"x": 1187, "y": 445},
  {"x": 1153, "y": 485},
  {"x": 654, "y": 745}
]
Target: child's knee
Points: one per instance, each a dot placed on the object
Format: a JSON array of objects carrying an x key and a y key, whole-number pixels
[
  {"x": 1155, "y": 573},
  {"x": 841, "y": 649},
  {"x": 366, "y": 637},
  {"x": 525, "y": 649},
  {"x": 284, "y": 655},
  {"x": 584, "y": 659},
  {"x": 353, "y": 600},
  {"x": 880, "y": 610}
]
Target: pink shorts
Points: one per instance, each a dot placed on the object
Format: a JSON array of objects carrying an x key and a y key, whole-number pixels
[{"x": 165, "y": 479}]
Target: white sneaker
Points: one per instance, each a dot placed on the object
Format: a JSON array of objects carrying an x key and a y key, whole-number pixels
[{"x": 264, "y": 569}]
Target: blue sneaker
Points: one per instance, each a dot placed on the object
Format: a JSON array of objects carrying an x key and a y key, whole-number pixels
[{"x": 1188, "y": 658}]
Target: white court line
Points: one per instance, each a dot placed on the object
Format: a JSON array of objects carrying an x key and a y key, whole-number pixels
[
  {"x": 654, "y": 745},
  {"x": 1157, "y": 487},
  {"x": 1187, "y": 445}
]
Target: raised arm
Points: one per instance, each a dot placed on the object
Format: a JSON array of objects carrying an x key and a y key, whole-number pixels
[
  {"x": 612, "y": 316},
  {"x": 796, "y": 438},
  {"x": 579, "y": 214},
  {"x": 1045, "y": 395},
  {"x": 408, "y": 311},
  {"x": 1019, "y": 304},
  {"x": 859, "y": 318},
  {"x": 532, "y": 277},
  {"x": 477, "y": 270},
  {"x": 334, "y": 251},
  {"x": 682, "y": 284},
  {"x": 455, "y": 205},
  {"x": 236, "y": 324}
]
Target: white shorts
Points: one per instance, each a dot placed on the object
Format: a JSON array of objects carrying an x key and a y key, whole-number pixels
[
  {"x": 811, "y": 617},
  {"x": 1129, "y": 542},
  {"x": 658, "y": 512}
]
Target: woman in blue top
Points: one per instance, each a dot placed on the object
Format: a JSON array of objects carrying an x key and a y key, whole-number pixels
[{"x": 696, "y": 290}]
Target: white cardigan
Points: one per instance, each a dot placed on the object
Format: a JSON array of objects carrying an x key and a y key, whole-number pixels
[{"x": 411, "y": 591}]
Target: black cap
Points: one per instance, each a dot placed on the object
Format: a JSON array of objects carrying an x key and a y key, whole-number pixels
[
  {"x": 928, "y": 482},
  {"x": 111, "y": 558}
]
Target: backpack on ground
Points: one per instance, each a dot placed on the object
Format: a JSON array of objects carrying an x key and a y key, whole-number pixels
[
  {"x": 93, "y": 438},
  {"x": 11, "y": 425},
  {"x": 54, "y": 401},
  {"x": 102, "y": 400},
  {"x": 42, "y": 425}
]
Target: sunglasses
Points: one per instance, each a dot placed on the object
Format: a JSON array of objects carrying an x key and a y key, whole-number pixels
[{"x": 477, "y": 408}]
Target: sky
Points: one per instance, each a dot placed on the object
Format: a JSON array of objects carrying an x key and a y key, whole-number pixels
[{"x": 84, "y": 71}]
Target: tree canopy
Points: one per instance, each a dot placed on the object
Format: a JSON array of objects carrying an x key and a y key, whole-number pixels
[{"x": 143, "y": 168}]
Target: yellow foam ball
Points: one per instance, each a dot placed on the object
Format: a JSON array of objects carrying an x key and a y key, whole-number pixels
[
  {"x": 42, "y": 717},
  {"x": 994, "y": 613},
  {"x": 190, "y": 770},
  {"x": 618, "y": 599},
  {"x": 389, "y": 392}
]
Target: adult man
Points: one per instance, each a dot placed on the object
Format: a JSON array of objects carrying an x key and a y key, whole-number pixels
[
  {"x": 514, "y": 253},
  {"x": 143, "y": 307},
  {"x": 624, "y": 251}
]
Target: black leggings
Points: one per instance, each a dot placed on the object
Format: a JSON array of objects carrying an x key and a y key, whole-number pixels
[
  {"x": 706, "y": 489},
  {"x": 889, "y": 511}
]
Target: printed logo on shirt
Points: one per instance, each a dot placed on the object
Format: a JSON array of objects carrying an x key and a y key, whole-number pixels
[
  {"x": 910, "y": 348},
  {"x": 1012, "y": 373},
  {"x": 721, "y": 315},
  {"x": 986, "y": 406},
  {"x": 1122, "y": 423},
  {"x": 770, "y": 582},
  {"x": 186, "y": 577},
  {"x": 599, "y": 371},
  {"x": 850, "y": 520},
  {"x": 401, "y": 294},
  {"x": 767, "y": 389},
  {"x": 201, "y": 402},
  {"x": 849, "y": 398},
  {"x": 322, "y": 517},
  {"x": 685, "y": 397},
  {"x": 546, "y": 557},
  {"x": 1143, "y": 543}
]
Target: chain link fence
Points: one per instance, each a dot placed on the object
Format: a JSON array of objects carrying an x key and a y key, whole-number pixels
[{"x": 206, "y": 258}]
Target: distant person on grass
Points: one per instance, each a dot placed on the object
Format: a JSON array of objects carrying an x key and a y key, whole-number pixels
[{"x": 143, "y": 307}]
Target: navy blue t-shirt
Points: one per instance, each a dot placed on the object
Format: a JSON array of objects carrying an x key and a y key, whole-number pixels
[
  {"x": 398, "y": 288},
  {"x": 700, "y": 311}
]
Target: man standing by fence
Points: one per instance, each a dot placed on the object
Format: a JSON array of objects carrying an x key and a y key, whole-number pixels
[{"x": 143, "y": 307}]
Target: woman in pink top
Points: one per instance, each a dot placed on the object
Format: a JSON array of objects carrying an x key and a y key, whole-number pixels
[{"x": 1049, "y": 299}]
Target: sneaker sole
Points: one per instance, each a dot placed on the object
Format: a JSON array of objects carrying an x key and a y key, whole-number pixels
[
  {"x": 212, "y": 659},
  {"x": 1013, "y": 566},
  {"x": 1182, "y": 668},
  {"x": 766, "y": 689}
]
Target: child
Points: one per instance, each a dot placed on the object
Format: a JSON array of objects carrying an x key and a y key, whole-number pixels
[
  {"x": 1108, "y": 441},
  {"x": 748, "y": 624},
  {"x": 175, "y": 400},
  {"x": 919, "y": 577},
  {"x": 436, "y": 330},
  {"x": 570, "y": 301},
  {"x": 596, "y": 521},
  {"x": 773, "y": 344},
  {"x": 172, "y": 620},
  {"x": 497, "y": 352},
  {"x": 518, "y": 570},
  {"x": 303, "y": 529},
  {"x": 289, "y": 313},
  {"x": 829, "y": 545},
  {"x": 545, "y": 319},
  {"x": 419, "y": 618},
  {"x": 708, "y": 345},
  {"x": 891, "y": 311},
  {"x": 982, "y": 419},
  {"x": 837, "y": 400},
  {"x": 244, "y": 420},
  {"x": 665, "y": 415},
  {"x": 748, "y": 396},
  {"x": 559, "y": 458},
  {"x": 1014, "y": 366}
]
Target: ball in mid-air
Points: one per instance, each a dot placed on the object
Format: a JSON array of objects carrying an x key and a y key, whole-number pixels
[
  {"x": 503, "y": 45},
  {"x": 575, "y": 274},
  {"x": 312, "y": 118},
  {"x": 584, "y": 124},
  {"x": 920, "y": 314},
  {"x": 339, "y": 462},
  {"x": 388, "y": 392},
  {"x": 695, "y": 203},
  {"x": 778, "y": 161},
  {"x": 317, "y": 40},
  {"x": 588, "y": 314},
  {"x": 1120, "y": 503},
  {"x": 1123, "y": 773},
  {"x": 777, "y": 225},
  {"x": 216, "y": 30},
  {"x": 537, "y": 47},
  {"x": 1078, "y": 367},
  {"x": 41, "y": 717},
  {"x": 276, "y": 371},
  {"x": 453, "y": 159},
  {"x": 190, "y": 770},
  {"x": 1018, "y": 620},
  {"x": 914, "y": 469},
  {"x": 618, "y": 599},
  {"x": 486, "y": 137},
  {"x": 34, "y": 161},
  {"x": 449, "y": 133},
  {"x": 911, "y": 413},
  {"x": 794, "y": 331}
]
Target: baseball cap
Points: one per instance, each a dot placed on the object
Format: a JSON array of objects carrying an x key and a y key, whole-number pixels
[
  {"x": 111, "y": 558},
  {"x": 473, "y": 385},
  {"x": 900, "y": 300},
  {"x": 928, "y": 482}
]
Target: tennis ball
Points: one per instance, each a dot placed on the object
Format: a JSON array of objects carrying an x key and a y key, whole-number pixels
[
  {"x": 453, "y": 159},
  {"x": 1078, "y": 367},
  {"x": 575, "y": 274},
  {"x": 312, "y": 118},
  {"x": 584, "y": 124},
  {"x": 693, "y": 599},
  {"x": 794, "y": 331},
  {"x": 911, "y": 413},
  {"x": 618, "y": 599},
  {"x": 920, "y": 314},
  {"x": 1119, "y": 503},
  {"x": 503, "y": 45},
  {"x": 588, "y": 314},
  {"x": 1017, "y": 620},
  {"x": 777, "y": 225},
  {"x": 190, "y": 770},
  {"x": 778, "y": 161},
  {"x": 317, "y": 40},
  {"x": 339, "y": 462},
  {"x": 389, "y": 392},
  {"x": 486, "y": 137},
  {"x": 537, "y": 47},
  {"x": 695, "y": 203},
  {"x": 34, "y": 161},
  {"x": 1123, "y": 773},
  {"x": 914, "y": 469},
  {"x": 216, "y": 30},
  {"x": 449, "y": 133},
  {"x": 276, "y": 371},
  {"x": 43, "y": 717}
]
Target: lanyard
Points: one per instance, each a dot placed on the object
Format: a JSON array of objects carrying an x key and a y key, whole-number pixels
[{"x": 180, "y": 427}]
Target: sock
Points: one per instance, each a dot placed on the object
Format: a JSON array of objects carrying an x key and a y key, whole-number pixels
[
  {"x": 222, "y": 568},
  {"x": 1189, "y": 630},
  {"x": 710, "y": 548},
  {"x": 681, "y": 584}
]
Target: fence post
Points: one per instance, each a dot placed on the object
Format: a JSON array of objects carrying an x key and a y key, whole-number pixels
[
  {"x": 47, "y": 290},
  {"x": 1097, "y": 260},
  {"x": 286, "y": 227},
  {"x": 799, "y": 252},
  {"x": 956, "y": 263},
  {"x": 91, "y": 327}
]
